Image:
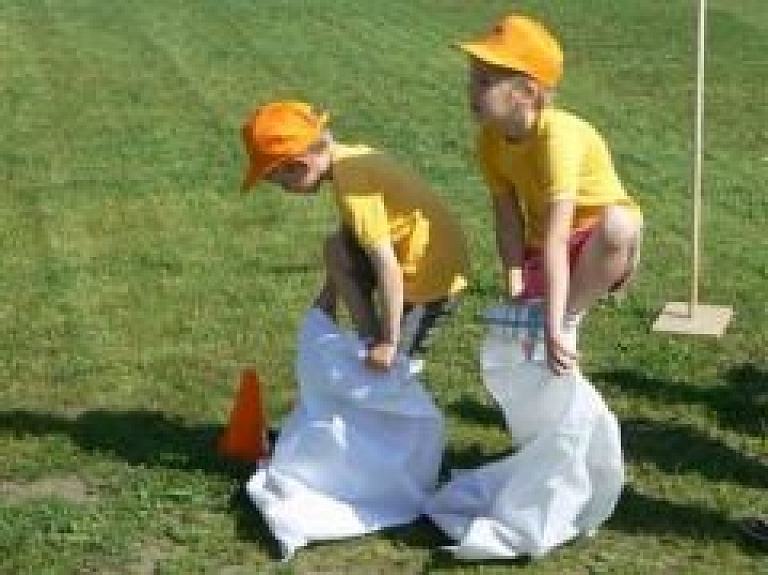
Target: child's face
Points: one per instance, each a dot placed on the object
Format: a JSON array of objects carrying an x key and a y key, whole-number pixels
[
  {"x": 507, "y": 99},
  {"x": 302, "y": 174}
]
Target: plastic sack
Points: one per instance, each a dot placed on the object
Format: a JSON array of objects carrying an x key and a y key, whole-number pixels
[
  {"x": 563, "y": 481},
  {"x": 360, "y": 452}
]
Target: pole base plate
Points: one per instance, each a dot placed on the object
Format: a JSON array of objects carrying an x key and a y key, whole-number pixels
[{"x": 681, "y": 317}]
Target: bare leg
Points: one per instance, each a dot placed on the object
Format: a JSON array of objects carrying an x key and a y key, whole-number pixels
[
  {"x": 605, "y": 258},
  {"x": 357, "y": 299}
]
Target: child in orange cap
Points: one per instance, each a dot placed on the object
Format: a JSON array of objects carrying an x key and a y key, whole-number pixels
[
  {"x": 396, "y": 236},
  {"x": 566, "y": 230}
]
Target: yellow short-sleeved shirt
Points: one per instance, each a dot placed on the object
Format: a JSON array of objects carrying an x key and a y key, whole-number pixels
[
  {"x": 378, "y": 200},
  {"x": 566, "y": 158}
]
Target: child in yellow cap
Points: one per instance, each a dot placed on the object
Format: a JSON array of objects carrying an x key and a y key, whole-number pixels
[
  {"x": 566, "y": 230},
  {"x": 396, "y": 236}
]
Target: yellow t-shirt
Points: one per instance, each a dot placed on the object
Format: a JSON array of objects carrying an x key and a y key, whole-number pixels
[
  {"x": 378, "y": 200},
  {"x": 564, "y": 159}
]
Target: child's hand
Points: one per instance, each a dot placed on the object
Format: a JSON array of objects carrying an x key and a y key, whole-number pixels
[
  {"x": 560, "y": 359},
  {"x": 381, "y": 356}
]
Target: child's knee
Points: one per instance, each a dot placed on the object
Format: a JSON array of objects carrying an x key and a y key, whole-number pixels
[{"x": 619, "y": 228}]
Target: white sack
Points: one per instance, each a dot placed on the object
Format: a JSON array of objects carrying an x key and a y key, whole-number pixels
[
  {"x": 360, "y": 452},
  {"x": 563, "y": 481}
]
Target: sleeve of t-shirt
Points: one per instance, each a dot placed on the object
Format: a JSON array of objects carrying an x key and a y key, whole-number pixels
[
  {"x": 486, "y": 152},
  {"x": 366, "y": 216},
  {"x": 564, "y": 153}
]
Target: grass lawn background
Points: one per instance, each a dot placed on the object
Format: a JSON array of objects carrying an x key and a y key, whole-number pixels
[{"x": 135, "y": 279}]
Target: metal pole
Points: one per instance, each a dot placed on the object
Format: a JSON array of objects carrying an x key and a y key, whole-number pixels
[{"x": 697, "y": 153}]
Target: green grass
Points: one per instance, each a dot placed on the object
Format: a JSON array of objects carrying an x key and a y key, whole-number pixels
[{"x": 135, "y": 280}]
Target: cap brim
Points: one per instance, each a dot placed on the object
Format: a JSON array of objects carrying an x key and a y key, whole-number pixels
[
  {"x": 487, "y": 54},
  {"x": 258, "y": 171}
]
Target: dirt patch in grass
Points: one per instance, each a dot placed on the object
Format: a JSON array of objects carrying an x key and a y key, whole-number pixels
[
  {"x": 68, "y": 488},
  {"x": 151, "y": 553}
]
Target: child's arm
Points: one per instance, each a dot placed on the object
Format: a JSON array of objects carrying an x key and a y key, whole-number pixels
[
  {"x": 509, "y": 241},
  {"x": 389, "y": 278},
  {"x": 556, "y": 261}
]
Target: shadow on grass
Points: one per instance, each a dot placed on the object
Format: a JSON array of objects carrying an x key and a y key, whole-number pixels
[
  {"x": 138, "y": 437},
  {"x": 469, "y": 409},
  {"x": 292, "y": 268},
  {"x": 677, "y": 448},
  {"x": 741, "y": 402},
  {"x": 250, "y": 526},
  {"x": 640, "y": 513},
  {"x": 421, "y": 534},
  {"x": 152, "y": 439},
  {"x": 445, "y": 561}
]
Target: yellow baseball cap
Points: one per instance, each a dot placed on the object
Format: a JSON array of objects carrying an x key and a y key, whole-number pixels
[
  {"x": 520, "y": 43},
  {"x": 277, "y": 132}
]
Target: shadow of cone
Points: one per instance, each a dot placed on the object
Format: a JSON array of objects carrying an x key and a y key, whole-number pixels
[{"x": 245, "y": 438}]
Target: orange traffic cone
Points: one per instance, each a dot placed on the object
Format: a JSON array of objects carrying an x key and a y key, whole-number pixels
[{"x": 246, "y": 435}]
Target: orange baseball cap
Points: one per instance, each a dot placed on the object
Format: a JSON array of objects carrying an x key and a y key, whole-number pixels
[
  {"x": 519, "y": 43},
  {"x": 277, "y": 132}
]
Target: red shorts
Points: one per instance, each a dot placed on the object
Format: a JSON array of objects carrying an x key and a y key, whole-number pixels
[{"x": 534, "y": 272}]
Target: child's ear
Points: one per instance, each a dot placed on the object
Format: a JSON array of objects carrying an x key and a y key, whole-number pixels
[
  {"x": 546, "y": 97},
  {"x": 321, "y": 145}
]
